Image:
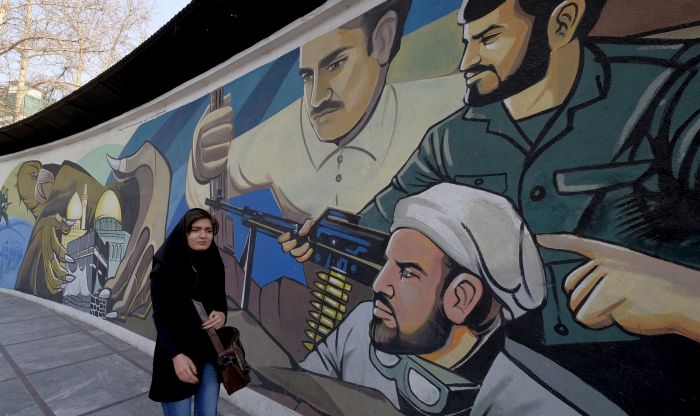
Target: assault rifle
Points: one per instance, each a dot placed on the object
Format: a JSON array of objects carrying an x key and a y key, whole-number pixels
[{"x": 340, "y": 244}]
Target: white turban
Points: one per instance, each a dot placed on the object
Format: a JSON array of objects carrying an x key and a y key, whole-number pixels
[{"x": 482, "y": 232}]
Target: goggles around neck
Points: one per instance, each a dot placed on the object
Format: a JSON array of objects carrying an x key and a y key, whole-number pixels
[{"x": 429, "y": 388}]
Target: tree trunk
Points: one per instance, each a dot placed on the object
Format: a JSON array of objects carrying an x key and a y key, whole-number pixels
[
  {"x": 23, "y": 65},
  {"x": 3, "y": 10}
]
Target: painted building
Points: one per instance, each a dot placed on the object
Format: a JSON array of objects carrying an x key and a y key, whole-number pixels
[
  {"x": 89, "y": 271},
  {"x": 108, "y": 217}
]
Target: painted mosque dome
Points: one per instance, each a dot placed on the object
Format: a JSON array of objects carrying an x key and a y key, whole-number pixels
[
  {"x": 108, "y": 213},
  {"x": 75, "y": 209}
]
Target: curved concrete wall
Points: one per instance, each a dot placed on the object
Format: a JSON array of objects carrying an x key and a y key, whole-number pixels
[{"x": 542, "y": 257}]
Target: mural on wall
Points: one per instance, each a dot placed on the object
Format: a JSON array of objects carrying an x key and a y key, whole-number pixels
[
  {"x": 91, "y": 245},
  {"x": 439, "y": 207}
]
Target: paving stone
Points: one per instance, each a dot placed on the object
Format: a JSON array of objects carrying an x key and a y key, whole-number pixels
[
  {"x": 57, "y": 351},
  {"x": 142, "y": 405},
  {"x": 140, "y": 357},
  {"x": 9, "y": 303},
  {"x": 117, "y": 376},
  {"x": 39, "y": 328},
  {"x": 70, "y": 391},
  {"x": 16, "y": 400},
  {"x": 71, "y": 371},
  {"x": 24, "y": 313},
  {"x": 6, "y": 372},
  {"x": 12, "y": 300},
  {"x": 116, "y": 410}
]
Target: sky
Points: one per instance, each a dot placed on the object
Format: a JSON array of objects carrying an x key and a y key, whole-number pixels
[{"x": 164, "y": 11}]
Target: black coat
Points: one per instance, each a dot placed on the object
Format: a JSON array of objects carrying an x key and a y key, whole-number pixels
[{"x": 178, "y": 276}]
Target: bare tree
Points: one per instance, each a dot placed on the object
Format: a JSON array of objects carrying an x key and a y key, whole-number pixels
[{"x": 51, "y": 47}]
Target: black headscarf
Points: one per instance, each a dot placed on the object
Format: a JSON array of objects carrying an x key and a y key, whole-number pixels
[{"x": 176, "y": 255}]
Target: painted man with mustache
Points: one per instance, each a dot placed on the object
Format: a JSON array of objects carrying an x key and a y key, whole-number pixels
[
  {"x": 461, "y": 269},
  {"x": 340, "y": 143},
  {"x": 597, "y": 140}
]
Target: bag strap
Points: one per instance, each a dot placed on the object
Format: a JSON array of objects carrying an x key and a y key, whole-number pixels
[
  {"x": 211, "y": 331},
  {"x": 218, "y": 346}
]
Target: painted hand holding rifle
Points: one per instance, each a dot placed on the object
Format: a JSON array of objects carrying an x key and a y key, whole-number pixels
[{"x": 212, "y": 142}]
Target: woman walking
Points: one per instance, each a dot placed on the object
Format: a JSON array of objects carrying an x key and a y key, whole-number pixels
[{"x": 188, "y": 266}]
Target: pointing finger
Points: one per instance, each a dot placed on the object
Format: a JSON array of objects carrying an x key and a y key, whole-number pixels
[
  {"x": 569, "y": 242},
  {"x": 586, "y": 246}
]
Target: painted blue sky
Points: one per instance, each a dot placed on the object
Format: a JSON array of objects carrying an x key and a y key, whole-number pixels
[{"x": 256, "y": 96}]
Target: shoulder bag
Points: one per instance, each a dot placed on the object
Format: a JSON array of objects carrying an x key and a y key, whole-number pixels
[{"x": 231, "y": 363}]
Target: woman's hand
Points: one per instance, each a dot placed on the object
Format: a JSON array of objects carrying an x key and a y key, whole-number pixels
[
  {"x": 216, "y": 320},
  {"x": 185, "y": 369}
]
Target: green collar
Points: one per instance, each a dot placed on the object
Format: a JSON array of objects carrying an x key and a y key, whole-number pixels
[{"x": 591, "y": 85}]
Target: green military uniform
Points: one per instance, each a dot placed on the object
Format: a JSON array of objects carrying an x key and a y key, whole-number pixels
[
  {"x": 619, "y": 161},
  {"x": 585, "y": 173}
]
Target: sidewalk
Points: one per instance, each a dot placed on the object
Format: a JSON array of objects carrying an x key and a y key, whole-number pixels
[{"x": 51, "y": 364}]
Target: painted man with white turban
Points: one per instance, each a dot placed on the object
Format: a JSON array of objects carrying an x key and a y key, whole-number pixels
[{"x": 460, "y": 266}]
